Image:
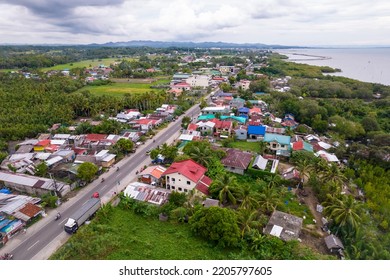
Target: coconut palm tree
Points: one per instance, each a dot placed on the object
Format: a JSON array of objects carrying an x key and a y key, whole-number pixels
[
  {"x": 248, "y": 199},
  {"x": 248, "y": 220},
  {"x": 269, "y": 199},
  {"x": 304, "y": 167},
  {"x": 332, "y": 173},
  {"x": 201, "y": 154},
  {"x": 225, "y": 188},
  {"x": 344, "y": 211}
]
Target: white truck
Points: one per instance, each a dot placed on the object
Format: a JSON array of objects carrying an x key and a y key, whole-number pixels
[{"x": 81, "y": 215}]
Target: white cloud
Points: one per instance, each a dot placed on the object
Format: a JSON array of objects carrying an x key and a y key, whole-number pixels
[{"x": 289, "y": 22}]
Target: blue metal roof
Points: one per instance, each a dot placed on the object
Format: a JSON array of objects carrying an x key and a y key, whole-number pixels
[
  {"x": 243, "y": 110},
  {"x": 256, "y": 129}
]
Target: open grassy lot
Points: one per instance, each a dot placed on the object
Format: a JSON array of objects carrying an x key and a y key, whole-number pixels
[
  {"x": 81, "y": 64},
  {"x": 127, "y": 236},
  {"x": 122, "y": 86},
  {"x": 246, "y": 146}
]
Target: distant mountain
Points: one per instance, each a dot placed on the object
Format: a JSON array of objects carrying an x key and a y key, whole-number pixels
[{"x": 206, "y": 45}]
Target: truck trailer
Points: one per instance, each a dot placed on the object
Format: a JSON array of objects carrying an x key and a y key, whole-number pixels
[{"x": 81, "y": 215}]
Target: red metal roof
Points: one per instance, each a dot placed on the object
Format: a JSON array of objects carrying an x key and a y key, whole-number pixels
[
  {"x": 95, "y": 137},
  {"x": 203, "y": 185},
  {"x": 187, "y": 168},
  {"x": 192, "y": 126},
  {"x": 297, "y": 146},
  {"x": 222, "y": 124},
  {"x": 43, "y": 143}
]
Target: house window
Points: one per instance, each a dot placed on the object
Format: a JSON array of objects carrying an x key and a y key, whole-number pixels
[
  {"x": 173, "y": 187},
  {"x": 274, "y": 145},
  {"x": 168, "y": 187},
  {"x": 282, "y": 146},
  {"x": 168, "y": 178},
  {"x": 188, "y": 183},
  {"x": 185, "y": 190},
  {"x": 180, "y": 189},
  {"x": 173, "y": 180}
]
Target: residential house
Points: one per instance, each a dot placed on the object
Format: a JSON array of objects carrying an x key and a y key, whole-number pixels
[
  {"x": 275, "y": 130},
  {"x": 244, "y": 84},
  {"x": 277, "y": 142},
  {"x": 206, "y": 128},
  {"x": 214, "y": 110},
  {"x": 260, "y": 163},
  {"x": 254, "y": 111},
  {"x": 291, "y": 174},
  {"x": 222, "y": 128},
  {"x": 236, "y": 161},
  {"x": 192, "y": 127},
  {"x": 202, "y": 81},
  {"x": 32, "y": 185},
  {"x": 239, "y": 120},
  {"x": 241, "y": 132},
  {"x": 105, "y": 159},
  {"x": 289, "y": 121},
  {"x": 334, "y": 245},
  {"x": 285, "y": 226},
  {"x": 209, "y": 202},
  {"x": 186, "y": 175},
  {"x": 221, "y": 94},
  {"x": 327, "y": 156},
  {"x": 206, "y": 117},
  {"x": 182, "y": 86},
  {"x": 237, "y": 102},
  {"x": 302, "y": 146},
  {"x": 132, "y": 135},
  {"x": 243, "y": 112},
  {"x": 256, "y": 132},
  {"x": 152, "y": 174},
  {"x": 41, "y": 145},
  {"x": 190, "y": 135},
  {"x": 91, "y": 141},
  {"x": 144, "y": 192}
]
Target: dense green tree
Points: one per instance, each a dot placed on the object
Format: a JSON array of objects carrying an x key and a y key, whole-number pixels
[
  {"x": 216, "y": 224},
  {"x": 87, "y": 171},
  {"x": 41, "y": 169},
  {"x": 123, "y": 146}
]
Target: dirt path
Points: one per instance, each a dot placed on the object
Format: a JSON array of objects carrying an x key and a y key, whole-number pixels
[{"x": 314, "y": 238}]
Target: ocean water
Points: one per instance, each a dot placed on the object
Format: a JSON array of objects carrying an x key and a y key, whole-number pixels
[{"x": 364, "y": 64}]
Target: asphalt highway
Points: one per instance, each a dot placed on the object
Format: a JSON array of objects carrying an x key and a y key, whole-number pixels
[{"x": 46, "y": 236}]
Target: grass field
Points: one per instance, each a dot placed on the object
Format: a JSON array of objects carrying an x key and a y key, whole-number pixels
[
  {"x": 246, "y": 146},
  {"x": 119, "y": 88},
  {"x": 127, "y": 236},
  {"x": 81, "y": 64}
]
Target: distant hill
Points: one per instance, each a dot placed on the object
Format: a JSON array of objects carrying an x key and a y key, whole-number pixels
[{"x": 206, "y": 45}]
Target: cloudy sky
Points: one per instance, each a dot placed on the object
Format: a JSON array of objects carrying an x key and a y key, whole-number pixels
[{"x": 286, "y": 22}]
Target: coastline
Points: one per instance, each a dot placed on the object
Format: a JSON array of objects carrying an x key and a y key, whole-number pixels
[{"x": 368, "y": 65}]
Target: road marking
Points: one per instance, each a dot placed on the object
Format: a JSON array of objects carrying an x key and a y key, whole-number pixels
[
  {"x": 32, "y": 245},
  {"x": 119, "y": 174},
  {"x": 105, "y": 186},
  {"x": 60, "y": 223}
]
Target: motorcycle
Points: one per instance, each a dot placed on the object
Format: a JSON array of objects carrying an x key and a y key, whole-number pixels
[
  {"x": 117, "y": 169},
  {"x": 102, "y": 180},
  {"x": 57, "y": 216},
  {"x": 7, "y": 256}
]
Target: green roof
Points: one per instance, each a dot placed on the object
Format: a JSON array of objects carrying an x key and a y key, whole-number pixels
[
  {"x": 281, "y": 139},
  {"x": 206, "y": 117},
  {"x": 239, "y": 119}
]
